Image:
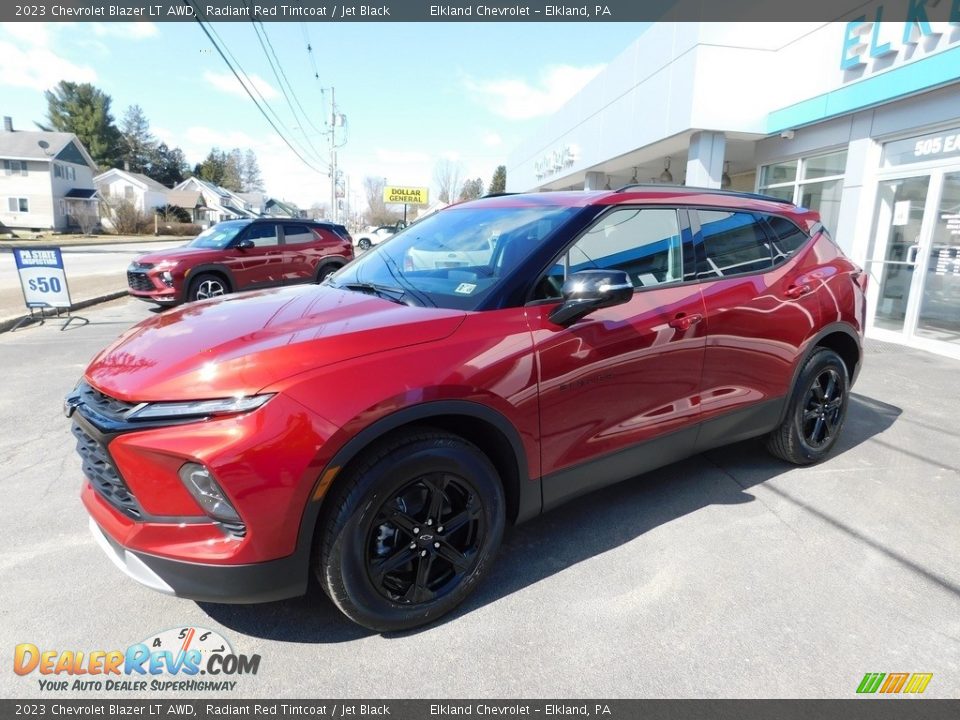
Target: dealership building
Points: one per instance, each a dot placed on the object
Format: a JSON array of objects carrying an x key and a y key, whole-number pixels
[{"x": 859, "y": 120}]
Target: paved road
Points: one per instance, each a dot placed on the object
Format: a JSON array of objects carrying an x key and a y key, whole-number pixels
[
  {"x": 87, "y": 260},
  {"x": 728, "y": 574}
]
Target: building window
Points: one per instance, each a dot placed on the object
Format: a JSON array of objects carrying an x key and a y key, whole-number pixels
[
  {"x": 128, "y": 193},
  {"x": 812, "y": 182},
  {"x": 57, "y": 170},
  {"x": 70, "y": 173},
  {"x": 15, "y": 167},
  {"x": 21, "y": 205}
]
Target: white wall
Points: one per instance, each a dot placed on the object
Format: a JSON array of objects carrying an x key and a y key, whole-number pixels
[{"x": 35, "y": 186}]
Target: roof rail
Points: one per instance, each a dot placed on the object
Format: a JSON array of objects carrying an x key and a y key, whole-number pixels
[
  {"x": 500, "y": 194},
  {"x": 712, "y": 191}
]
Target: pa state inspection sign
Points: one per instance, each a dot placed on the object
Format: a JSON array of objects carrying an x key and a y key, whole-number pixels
[{"x": 42, "y": 277}]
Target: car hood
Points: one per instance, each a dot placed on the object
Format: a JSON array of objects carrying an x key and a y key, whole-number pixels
[
  {"x": 240, "y": 344},
  {"x": 174, "y": 254}
]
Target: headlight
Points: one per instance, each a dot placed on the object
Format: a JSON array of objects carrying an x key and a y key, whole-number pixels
[
  {"x": 167, "y": 277},
  {"x": 198, "y": 408}
]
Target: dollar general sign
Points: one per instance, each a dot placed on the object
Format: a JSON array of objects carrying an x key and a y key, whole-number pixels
[{"x": 407, "y": 195}]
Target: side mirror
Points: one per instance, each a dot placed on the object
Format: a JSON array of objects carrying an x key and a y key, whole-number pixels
[
  {"x": 246, "y": 245},
  {"x": 589, "y": 290}
]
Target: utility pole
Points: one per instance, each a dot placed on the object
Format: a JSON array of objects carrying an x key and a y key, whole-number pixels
[{"x": 333, "y": 155}]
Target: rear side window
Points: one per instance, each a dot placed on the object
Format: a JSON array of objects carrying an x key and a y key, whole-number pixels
[
  {"x": 298, "y": 234},
  {"x": 786, "y": 238},
  {"x": 734, "y": 243}
]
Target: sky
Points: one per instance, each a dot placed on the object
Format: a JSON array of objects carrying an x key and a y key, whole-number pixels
[{"x": 413, "y": 93}]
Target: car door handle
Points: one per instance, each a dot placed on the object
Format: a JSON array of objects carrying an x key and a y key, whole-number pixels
[
  {"x": 795, "y": 291},
  {"x": 682, "y": 321}
]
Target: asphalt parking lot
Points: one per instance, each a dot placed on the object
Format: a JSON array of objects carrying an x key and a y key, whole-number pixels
[{"x": 726, "y": 575}]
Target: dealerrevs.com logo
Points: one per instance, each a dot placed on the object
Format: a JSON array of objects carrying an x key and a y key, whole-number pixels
[
  {"x": 894, "y": 683},
  {"x": 189, "y": 659}
]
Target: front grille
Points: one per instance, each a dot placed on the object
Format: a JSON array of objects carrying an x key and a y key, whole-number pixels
[
  {"x": 99, "y": 469},
  {"x": 139, "y": 281},
  {"x": 104, "y": 405}
]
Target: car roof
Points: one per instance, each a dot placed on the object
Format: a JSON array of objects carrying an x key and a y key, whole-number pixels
[{"x": 680, "y": 195}]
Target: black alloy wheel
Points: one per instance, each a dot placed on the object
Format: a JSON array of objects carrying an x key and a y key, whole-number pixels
[
  {"x": 823, "y": 408},
  {"x": 410, "y": 530},
  {"x": 425, "y": 539},
  {"x": 816, "y": 410},
  {"x": 364, "y": 244}
]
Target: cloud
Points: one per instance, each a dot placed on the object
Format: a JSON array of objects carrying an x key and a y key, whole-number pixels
[
  {"x": 492, "y": 139},
  {"x": 130, "y": 30},
  {"x": 227, "y": 83},
  {"x": 38, "y": 68},
  {"x": 518, "y": 99},
  {"x": 401, "y": 157}
]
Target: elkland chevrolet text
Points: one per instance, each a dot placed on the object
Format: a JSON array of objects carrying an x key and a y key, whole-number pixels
[{"x": 484, "y": 365}]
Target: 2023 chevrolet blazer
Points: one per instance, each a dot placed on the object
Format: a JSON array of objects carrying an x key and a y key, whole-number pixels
[{"x": 484, "y": 365}]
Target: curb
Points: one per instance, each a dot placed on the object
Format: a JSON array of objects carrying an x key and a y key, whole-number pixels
[{"x": 7, "y": 323}]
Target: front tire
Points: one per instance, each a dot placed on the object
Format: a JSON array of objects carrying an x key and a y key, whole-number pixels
[
  {"x": 816, "y": 412},
  {"x": 206, "y": 286},
  {"x": 412, "y": 530}
]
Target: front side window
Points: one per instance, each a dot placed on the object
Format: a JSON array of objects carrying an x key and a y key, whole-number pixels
[
  {"x": 455, "y": 258},
  {"x": 643, "y": 242},
  {"x": 734, "y": 243},
  {"x": 263, "y": 235}
]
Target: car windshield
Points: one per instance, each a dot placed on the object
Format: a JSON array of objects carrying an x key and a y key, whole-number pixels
[
  {"x": 218, "y": 236},
  {"x": 456, "y": 257}
]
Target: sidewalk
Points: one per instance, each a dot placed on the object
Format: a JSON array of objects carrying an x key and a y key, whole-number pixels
[{"x": 85, "y": 290}]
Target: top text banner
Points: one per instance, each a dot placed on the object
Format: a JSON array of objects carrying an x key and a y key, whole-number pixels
[{"x": 920, "y": 12}]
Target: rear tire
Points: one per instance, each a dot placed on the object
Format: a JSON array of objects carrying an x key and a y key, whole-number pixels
[
  {"x": 411, "y": 531},
  {"x": 205, "y": 286},
  {"x": 324, "y": 272},
  {"x": 817, "y": 409},
  {"x": 364, "y": 244}
]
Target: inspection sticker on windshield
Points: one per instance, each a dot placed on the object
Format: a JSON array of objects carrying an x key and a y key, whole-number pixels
[{"x": 465, "y": 288}]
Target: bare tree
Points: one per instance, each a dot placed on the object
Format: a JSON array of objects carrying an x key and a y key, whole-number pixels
[
  {"x": 378, "y": 213},
  {"x": 86, "y": 216},
  {"x": 446, "y": 174}
]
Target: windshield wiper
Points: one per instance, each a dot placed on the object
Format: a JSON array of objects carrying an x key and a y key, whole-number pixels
[{"x": 394, "y": 294}]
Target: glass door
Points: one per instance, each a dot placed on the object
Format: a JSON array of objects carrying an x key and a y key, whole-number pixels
[
  {"x": 939, "y": 304},
  {"x": 898, "y": 229}
]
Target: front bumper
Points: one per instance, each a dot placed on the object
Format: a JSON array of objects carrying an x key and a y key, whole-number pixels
[{"x": 251, "y": 583}]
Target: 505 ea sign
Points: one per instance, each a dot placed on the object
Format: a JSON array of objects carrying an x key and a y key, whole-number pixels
[{"x": 42, "y": 277}]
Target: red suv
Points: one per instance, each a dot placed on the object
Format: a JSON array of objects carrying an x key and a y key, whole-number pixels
[
  {"x": 241, "y": 255},
  {"x": 487, "y": 364}
]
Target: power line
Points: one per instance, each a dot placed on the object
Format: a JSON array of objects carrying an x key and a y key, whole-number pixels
[
  {"x": 313, "y": 65},
  {"x": 285, "y": 85},
  {"x": 220, "y": 51}
]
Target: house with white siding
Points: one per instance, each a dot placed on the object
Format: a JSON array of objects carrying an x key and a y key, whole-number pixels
[
  {"x": 142, "y": 191},
  {"x": 46, "y": 181}
]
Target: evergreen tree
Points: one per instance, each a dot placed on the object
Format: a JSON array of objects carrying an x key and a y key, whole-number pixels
[
  {"x": 213, "y": 167},
  {"x": 167, "y": 166},
  {"x": 499, "y": 182},
  {"x": 84, "y": 110},
  {"x": 233, "y": 170},
  {"x": 139, "y": 143}
]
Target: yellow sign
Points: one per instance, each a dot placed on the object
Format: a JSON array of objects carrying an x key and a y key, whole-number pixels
[{"x": 408, "y": 195}]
